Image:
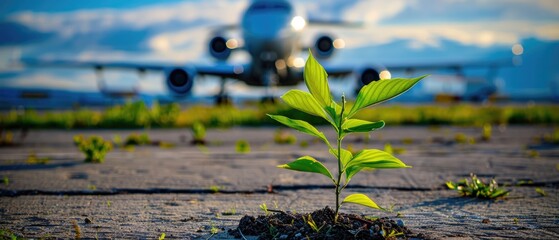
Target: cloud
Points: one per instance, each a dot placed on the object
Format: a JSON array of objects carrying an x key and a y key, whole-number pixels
[
  {"x": 72, "y": 81},
  {"x": 69, "y": 24},
  {"x": 372, "y": 11}
]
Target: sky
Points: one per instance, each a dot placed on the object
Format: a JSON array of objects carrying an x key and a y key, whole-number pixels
[{"x": 177, "y": 32}]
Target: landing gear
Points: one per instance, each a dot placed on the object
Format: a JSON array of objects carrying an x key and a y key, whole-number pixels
[
  {"x": 269, "y": 81},
  {"x": 222, "y": 98}
]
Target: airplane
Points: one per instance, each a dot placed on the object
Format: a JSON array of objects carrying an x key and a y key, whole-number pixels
[{"x": 271, "y": 34}]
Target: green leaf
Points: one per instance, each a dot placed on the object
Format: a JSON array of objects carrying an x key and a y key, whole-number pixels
[
  {"x": 380, "y": 91},
  {"x": 308, "y": 164},
  {"x": 305, "y": 102},
  {"x": 372, "y": 158},
  {"x": 301, "y": 126},
  {"x": 361, "y": 199},
  {"x": 316, "y": 79},
  {"x": 346, "y": 156},
  {"x": 357, "y": 125}
]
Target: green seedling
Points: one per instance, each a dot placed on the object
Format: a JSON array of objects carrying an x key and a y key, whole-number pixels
[
  {"x": 198, "y": 134},
  {"x": 33, "y": 159},
  {"x": 284, "y": 137},
  {"x": 91, "y": 187},
  {"x": 477, "y": 188},
  {"x": 463, "y": 138},
  {"x": 135, "y": 139},
  {"x": 319, "y": 102},
  {"x": 541, "y": 192},
  {"x": 108, "y": 203},
  {"x": 230, "y": 212},
  {"x": 162, "y": 237},
  {"x": 166, "y": 145},
  {"x": 117, "y": 140},
  {"x": 533, "y": 153},
  {"x": 515, "y": 220},
  {"x": 215, "y": 188},
  {"x": 392, "y": 150},
  {"x": 486, "y": 132},
  {"x": 310, "y": 221},
  {"x": 242, "y": 146},
  {"x": 6, "y": 180},
  {"x": 264, "y": 208},
  {"x": 95, "y": 148}
]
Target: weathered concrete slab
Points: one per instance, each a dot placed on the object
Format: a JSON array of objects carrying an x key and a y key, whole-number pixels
[{"x": 156, "y": 190}]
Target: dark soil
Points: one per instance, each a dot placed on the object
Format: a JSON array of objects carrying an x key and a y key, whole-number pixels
[{"x": 285, "y": 225}]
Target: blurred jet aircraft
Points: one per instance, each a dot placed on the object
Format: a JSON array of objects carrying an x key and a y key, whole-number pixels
[{"x": 271, "y": 34}]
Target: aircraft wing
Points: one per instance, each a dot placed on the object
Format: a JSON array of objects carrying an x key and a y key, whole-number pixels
[{"x": 218, "y": 69}]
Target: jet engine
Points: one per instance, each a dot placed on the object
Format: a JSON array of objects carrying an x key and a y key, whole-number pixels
[
  {"x": 218, "y": 48},
  {"x": 324, "y": 47},
  {"x": 180, "y": 80},
  {"x": 365, "y": 76}
]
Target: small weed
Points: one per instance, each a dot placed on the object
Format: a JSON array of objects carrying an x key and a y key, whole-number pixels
[
  {"x": 117, "y": 140},
  {"x": 515, "y": 220},
  {"x": 310, "y": 221},
  {"x": 6, "y": 181},
  {"x": 91, "y": 187},
  {"x": 242, "y": 146},
  {"x": 407, "y": 141},
  {"x": 108, "y": 203},
  {"x": 477, "y": 188},
  {"x": 166, "y": 145},
  {"x": 393, "y": 150},
  {"x": 135, "y": 139},
  {"x": 7, "y": 234},
  {"x": 486, "y": 132},
  {"x": 95, "y": 148},
  {"x": 264, "y": 208},
  {"x": 162, "y": 237},
  {"x": 283, "y": 137},
  {"x": 533, "y": 154},
  {"x": 198, "y": 133},
  {"x": 215, "y": 188},
  {"x": 33, "y": 159},
  {"x": 463, "y": 138},
  {"x": 213, "y": 230},
  {"x": 230, "y": 212},
  {"x": 541, "y": 192}
]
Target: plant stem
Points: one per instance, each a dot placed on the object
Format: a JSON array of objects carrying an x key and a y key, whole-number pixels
[{"x": 338, "y": 185}]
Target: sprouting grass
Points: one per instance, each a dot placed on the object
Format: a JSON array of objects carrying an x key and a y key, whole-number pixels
[
  {"x": 215, "y": 188},
  {"x": 477, "y": 188},
  {"x": 541, "y": 192},
  {"x": 162, "y": 236},
  {"x": 135, "y": 139},
  {"x": 94, "y": 148},
  {"x": 283, "y": 137},
  {"x": 6, "y": 180},
  {"x": 242, "y": 146},
  {"x": 138, "y": 115},
  {"x": 33, "y": 159}
]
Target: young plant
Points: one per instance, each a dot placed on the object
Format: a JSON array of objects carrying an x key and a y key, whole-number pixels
[
  {"x": 198, "y": 134},
  {"x": 95, "y": 148},
  {"x": 242, "y": 146},
  {"x": 319, "y": 102},
  {"x": 477, "y": 188}
]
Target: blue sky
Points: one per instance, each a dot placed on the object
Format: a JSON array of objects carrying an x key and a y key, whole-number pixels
[{"x": 396, "y": 32}]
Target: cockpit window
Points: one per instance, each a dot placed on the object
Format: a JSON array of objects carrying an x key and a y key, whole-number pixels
[{"x": 269, "y": 6}]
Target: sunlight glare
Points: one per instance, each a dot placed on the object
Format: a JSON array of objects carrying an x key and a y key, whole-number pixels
[
  {"x": 385, "y": 74},
  {"x": 298, "y": 23}
]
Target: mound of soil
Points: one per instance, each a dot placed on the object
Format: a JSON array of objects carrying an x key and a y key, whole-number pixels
[{"x": 285, "y": 225}]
